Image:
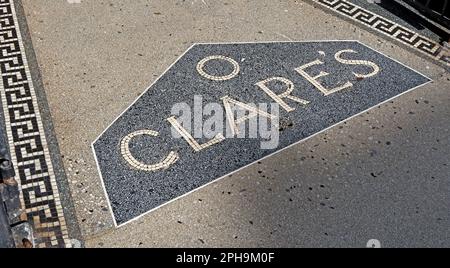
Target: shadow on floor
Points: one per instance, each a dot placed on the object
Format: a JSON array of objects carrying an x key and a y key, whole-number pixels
[{"x": 412, "y": 18}]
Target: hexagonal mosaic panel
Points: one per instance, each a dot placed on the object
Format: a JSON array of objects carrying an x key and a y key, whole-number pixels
[{"x": 221, "y": 107}]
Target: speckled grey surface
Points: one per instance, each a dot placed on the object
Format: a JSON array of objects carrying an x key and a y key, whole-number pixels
[{"x": 132, "y": 192}]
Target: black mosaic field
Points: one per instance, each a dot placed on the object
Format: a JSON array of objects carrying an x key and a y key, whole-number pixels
[{"x": 132, "y": 192}]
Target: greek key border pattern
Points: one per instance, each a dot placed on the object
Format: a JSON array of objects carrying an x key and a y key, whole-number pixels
[
  {"x": 26, "y": 137},
  {"x": 389, "y": 28}
]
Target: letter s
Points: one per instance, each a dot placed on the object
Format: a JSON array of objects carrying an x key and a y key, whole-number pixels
[{"x": 375, "y": 67}]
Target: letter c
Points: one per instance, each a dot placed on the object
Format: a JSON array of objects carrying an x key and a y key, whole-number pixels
[{"x": 126, "y": 153}]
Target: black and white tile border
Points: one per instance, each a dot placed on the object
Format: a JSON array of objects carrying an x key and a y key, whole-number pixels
[
  {"x": 382, "y": 25},
  {"x": 26, "y": 136}
]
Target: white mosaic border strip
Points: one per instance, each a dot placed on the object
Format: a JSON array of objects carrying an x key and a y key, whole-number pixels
[{"x": 29, "y": 151}]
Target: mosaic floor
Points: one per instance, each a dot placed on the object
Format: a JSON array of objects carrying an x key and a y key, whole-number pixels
[
  {"x": 41, "y": 174},
  {"x": 27, "y": 138},
  {"x": 315, "y": 84}
]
